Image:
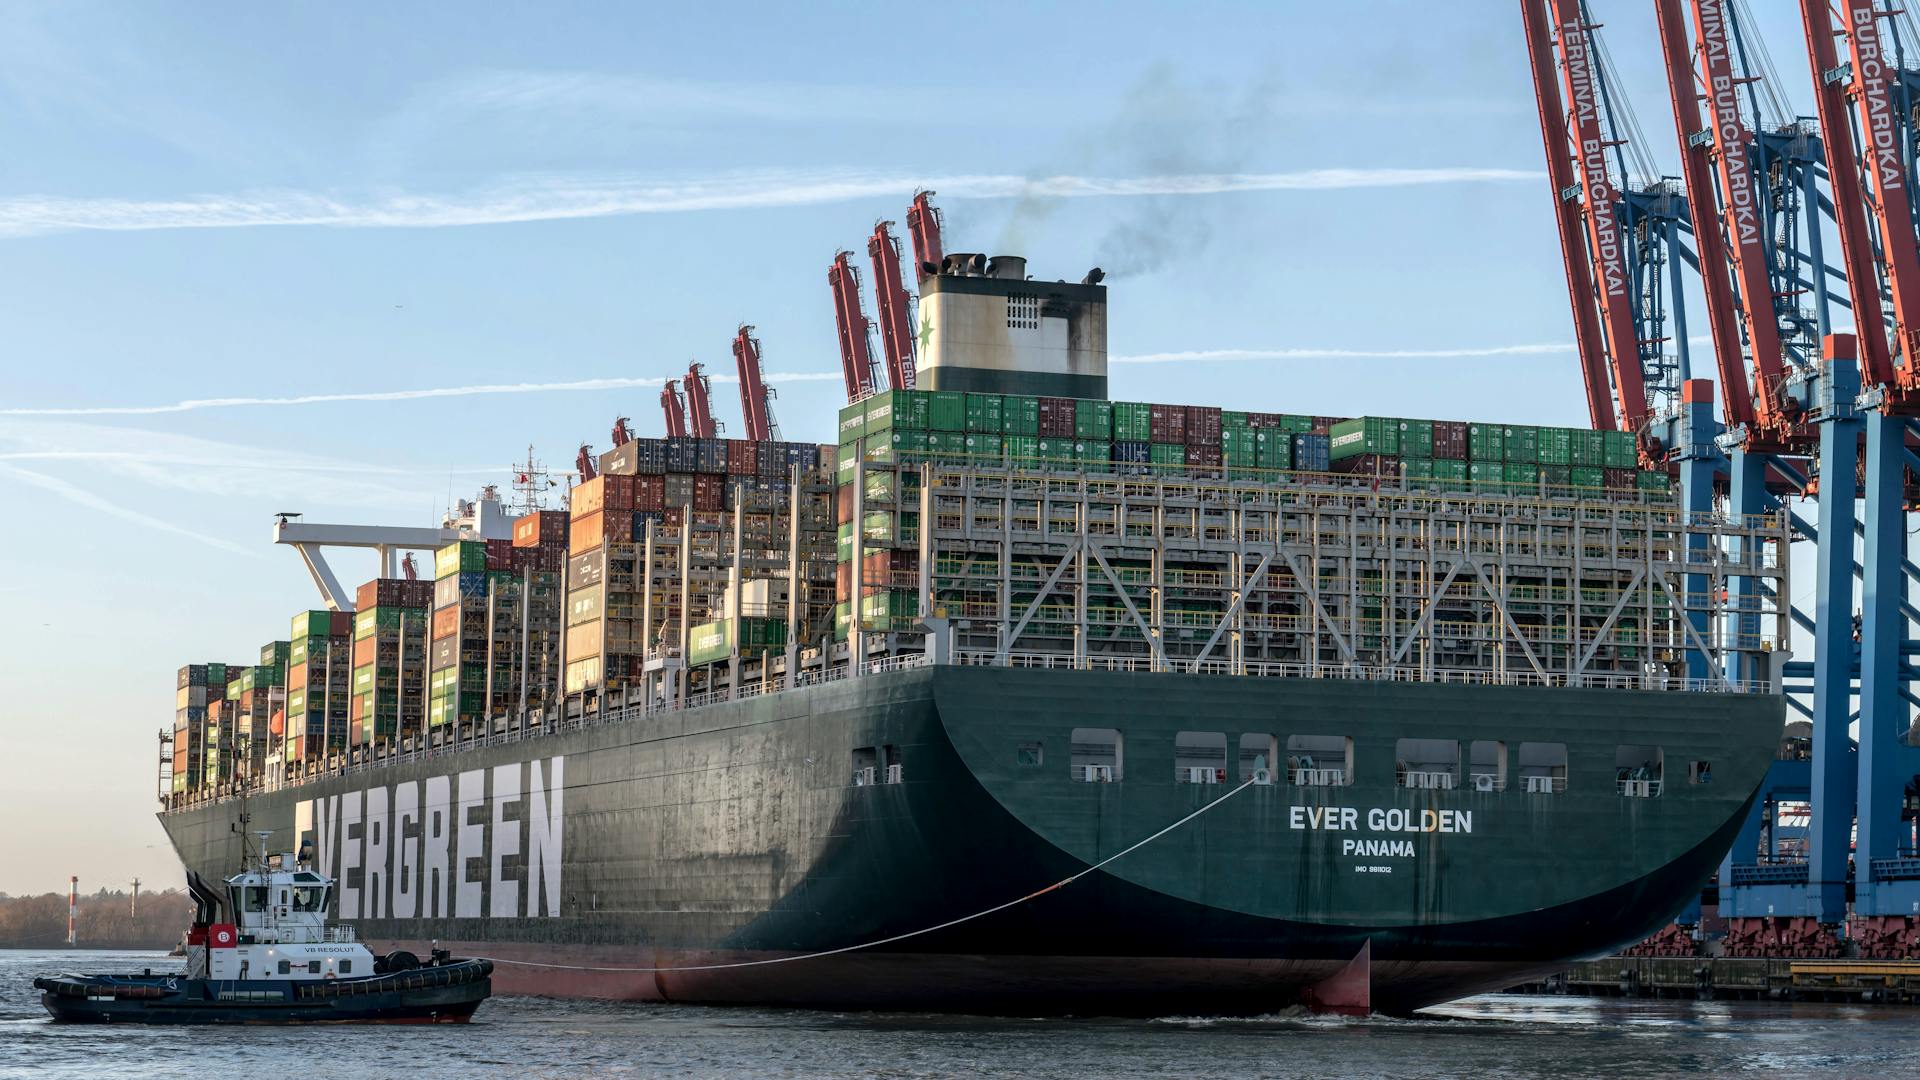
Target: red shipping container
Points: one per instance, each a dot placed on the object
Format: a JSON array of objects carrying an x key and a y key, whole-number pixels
[
  {"x": 1379, "y": 466},
  {"x": 364, "y": 649},
  {"x": 589, "y": 532},
  {"x": 1450, "y": 439},
  {"x": 1203, "y": 427},
  {"x": 842, "y": 580},
  {"x": 446, "y": 622},
  {"x": 674, "y": 516},
  {"x": 649, "y": 492},
  {"x": 743, "y": 458},
  {"x": 380, "y": 592},
  {"x": 1056, "y": 417},
  {"x": 1203, "y": 454},
  {"x": 843, "y": 503},
  {"x": 603, "y": 493},
  {"x": 1259, "y": 420},
  {"x": 340, "y": 624},
  {"x": 538, "y": 558},
  {"x": 297, "y": 677},
  {"x": 498, "y": 554},
  {"x": 1167, "y": 423},
  {"x": 1322, "y": 423},
  {"x": 891, "y": 569},
  {"x": 709, "y": 492},
  {"x": 1618, "y": 479}
]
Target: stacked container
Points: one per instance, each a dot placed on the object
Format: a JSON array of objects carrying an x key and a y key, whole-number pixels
[
  {"x": 319, "y": 679},
  {"x": 390, "y": 628}
]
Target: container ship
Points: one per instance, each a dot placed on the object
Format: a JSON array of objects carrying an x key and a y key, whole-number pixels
[{"x": 1352, "y": 712}]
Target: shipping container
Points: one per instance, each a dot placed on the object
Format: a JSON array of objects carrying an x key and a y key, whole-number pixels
[
  {"x": 1375, "y": 435},
  {"x": 1622, "y": 452},
  {"x": 1093, "y": 419},
  {"x": 274, "y": 653},
  {"x": 713, "y": 641},
  {"x": 947, "y": 410},
  {"x": 1169, "y": 459},
  {"x": 1132, "y": 421},
  {"x": 710, "y": 456},
  {"x": 451, "y": 590},
  {"x": 1168, "y": 424},
  {"x": 1556, "y": 445},
  {"x": 1313, "y": 453},
  {"x": 1056, "y": 418},
  {"x": 984, "y": 447},
  {"x": 1588, "y": 479},
  {"x": 683, "y": 454},
  {"x": 1450, "y": 440},
  {"x": 984, "y": 414},
  {"x": 459, "y": 557},
  {"x": 305, "y": 624},
  {"x": 1020, "y": 414},
  {"x": 1522, "y": 444},
  {"x": 1486, "y": 442},
  {"x": 1273, "y": 448},
  {"x": 1522, "y": 476},
  {"x": 1129, "y": 453}
]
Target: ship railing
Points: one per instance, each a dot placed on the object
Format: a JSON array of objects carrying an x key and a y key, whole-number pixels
[
  {"x": 1305, "y": 777},
  {"x": 342, "y": 935},
  {"x": 1424, "y": 780},
  {"x": 1546, "y": 785},
  {"x": 1638, "y": 789}
]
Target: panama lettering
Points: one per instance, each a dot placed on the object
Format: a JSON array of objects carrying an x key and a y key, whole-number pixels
[
  {"x": 485, "y": 843},
  {"x": 1379, "y": 820}
]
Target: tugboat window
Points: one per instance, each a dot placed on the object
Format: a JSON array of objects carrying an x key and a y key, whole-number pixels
[
  {"x": 309, "y": 898},
  {"x": 313, "y": 967},
  {"x": 346, "y": 967},
  {"x": 286, "y": 967},
  {"x": 256, "y": 898}
]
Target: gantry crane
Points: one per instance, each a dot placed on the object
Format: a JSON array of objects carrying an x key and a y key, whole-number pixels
[
  {"x": 924, "y": 224},
  {"x": 700, "y": 422},
  {"x": 1616, "y": 242},
  {"x": 890, "y": 300},
  {"x": 675, "y": 412},
  {"x": 756, "y": 397},
  {"x": 856, "y": 353}
]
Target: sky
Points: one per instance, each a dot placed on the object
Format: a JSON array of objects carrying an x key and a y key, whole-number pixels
[{"x": 352, "y": 260}]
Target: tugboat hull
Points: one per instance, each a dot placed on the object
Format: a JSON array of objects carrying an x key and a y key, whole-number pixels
[{"x": 447, "y": 994}]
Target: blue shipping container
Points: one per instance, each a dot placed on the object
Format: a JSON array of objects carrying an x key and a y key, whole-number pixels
[{"x": 1311, "y": 453}]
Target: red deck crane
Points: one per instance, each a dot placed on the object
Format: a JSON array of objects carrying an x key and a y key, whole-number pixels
[
  {"x": 890, "y": 301},
  {"x": 1568, "y": 212},
  {"x": 1872, "y": 92},
  {"x": 583, "y": 461},
  {"x": 856, "y": 354},
  {"x": 622, "y": 435},
  {"x": 756, "y": 404},
  {"x": 675, "y": 413},
  {"x": 923, "y": 224},
  {"x": 1731, "y": 297},
  {"x": 700, "y": 422}
]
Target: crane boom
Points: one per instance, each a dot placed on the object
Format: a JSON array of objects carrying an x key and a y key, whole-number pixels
[
  {"x": 1849, "y": 198},
  {"x": 1892, "y": 205},
  {"x": 890, "y": 301},
  {"x": 700, "y": 423},
  {"x": 1573, "y": 243},
  {"x": 676, "y": 415},
  {"x": 1710, "y": 242},
  {"x": 923, "y": 224},
  {"x": 856, "y": 355},
  {"x": 756, "y": 412},
  {"x": 1606, "y": 240}
]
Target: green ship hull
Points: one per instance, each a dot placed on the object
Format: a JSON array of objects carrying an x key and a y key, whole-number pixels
[{"x": 708, "y": 854}]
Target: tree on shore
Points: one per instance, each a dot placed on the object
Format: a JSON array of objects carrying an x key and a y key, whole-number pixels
[{"x": 105, "y": 920}]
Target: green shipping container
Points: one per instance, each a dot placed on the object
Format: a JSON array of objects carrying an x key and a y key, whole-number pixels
[
  {"x": 1487, "y": 475},
  {"x": 889, "y": 609},
  {"x": 849, "y": 453},
  {"x": 1589, "y": 447},
  {"x": 1648, "y": 480},
  {"x": 1239, "y": 447},
  {"x": 1486, "y": 442},
  {"x": 1449, "y": 475},
  {"x": 1558, "y": 477},
  {"x": 984, "y": 447},
  {"x": 714, "y": 641},
  {"x": 460, "y": 557},
  {"x": 1273, "y": 449},
  {"x": 946, "y": 410},
  {"x": 1093, "y": 451},
  {"x": 1132, "y": 421},
  {"x": 1296, "y": 423},
  {"x": 1020, "y": 414},
  {"x": 853, "y": 422},
  {"x": 1416, "y": 438},
  {"x": 274, "y": 653},
  {"x": 1556, "y": 446},
  {"x": 1621, "y": 450},
  {"x": 1022, "y": 448},
  {"x": 1522, "y": 474},
  {"x": 842, "y": 619},
  {"x": 1231, "y": 420},
  {"x": 1523, "y": 444},
  {"x": 1588, "y": 479},
  {"x": 1417, "y": 470},
  {"x": 1093, "y": 419},
  {"x": 308, "y": 623},
  {"x": 843, "y": 545},
  {"x": 1365, "y": 435},
  {"x": 984, "y": 414},
  {"x": 1168, "y": 459}
]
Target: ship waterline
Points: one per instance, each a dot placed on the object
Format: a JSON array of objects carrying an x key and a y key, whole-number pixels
[{"x": 832, "y": 816}]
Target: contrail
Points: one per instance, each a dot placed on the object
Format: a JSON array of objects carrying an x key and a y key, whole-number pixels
[
  {"x": 195, "y": 404},
  {"x": 106, "y": 506},
  {"x": 1203, "y": 355},
  {"x": 556, "y": 198}
]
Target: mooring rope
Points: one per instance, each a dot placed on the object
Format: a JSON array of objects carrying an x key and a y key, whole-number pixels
[{"x": 1061, "y": 884}]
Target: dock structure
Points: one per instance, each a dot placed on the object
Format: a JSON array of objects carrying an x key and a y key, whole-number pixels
[{"x": 1733, "y": 978}]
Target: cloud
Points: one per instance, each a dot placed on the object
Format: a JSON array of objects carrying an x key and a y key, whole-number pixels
[
  {"x": 550, "y": 198},
  {"x": 1211, "y": 355},
  {"x": 88, "y": 499},
  {"x": 196, "y": 404}
]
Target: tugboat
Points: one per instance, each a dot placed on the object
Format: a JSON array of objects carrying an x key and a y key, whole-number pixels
[{"x": 263, "y": 953}]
